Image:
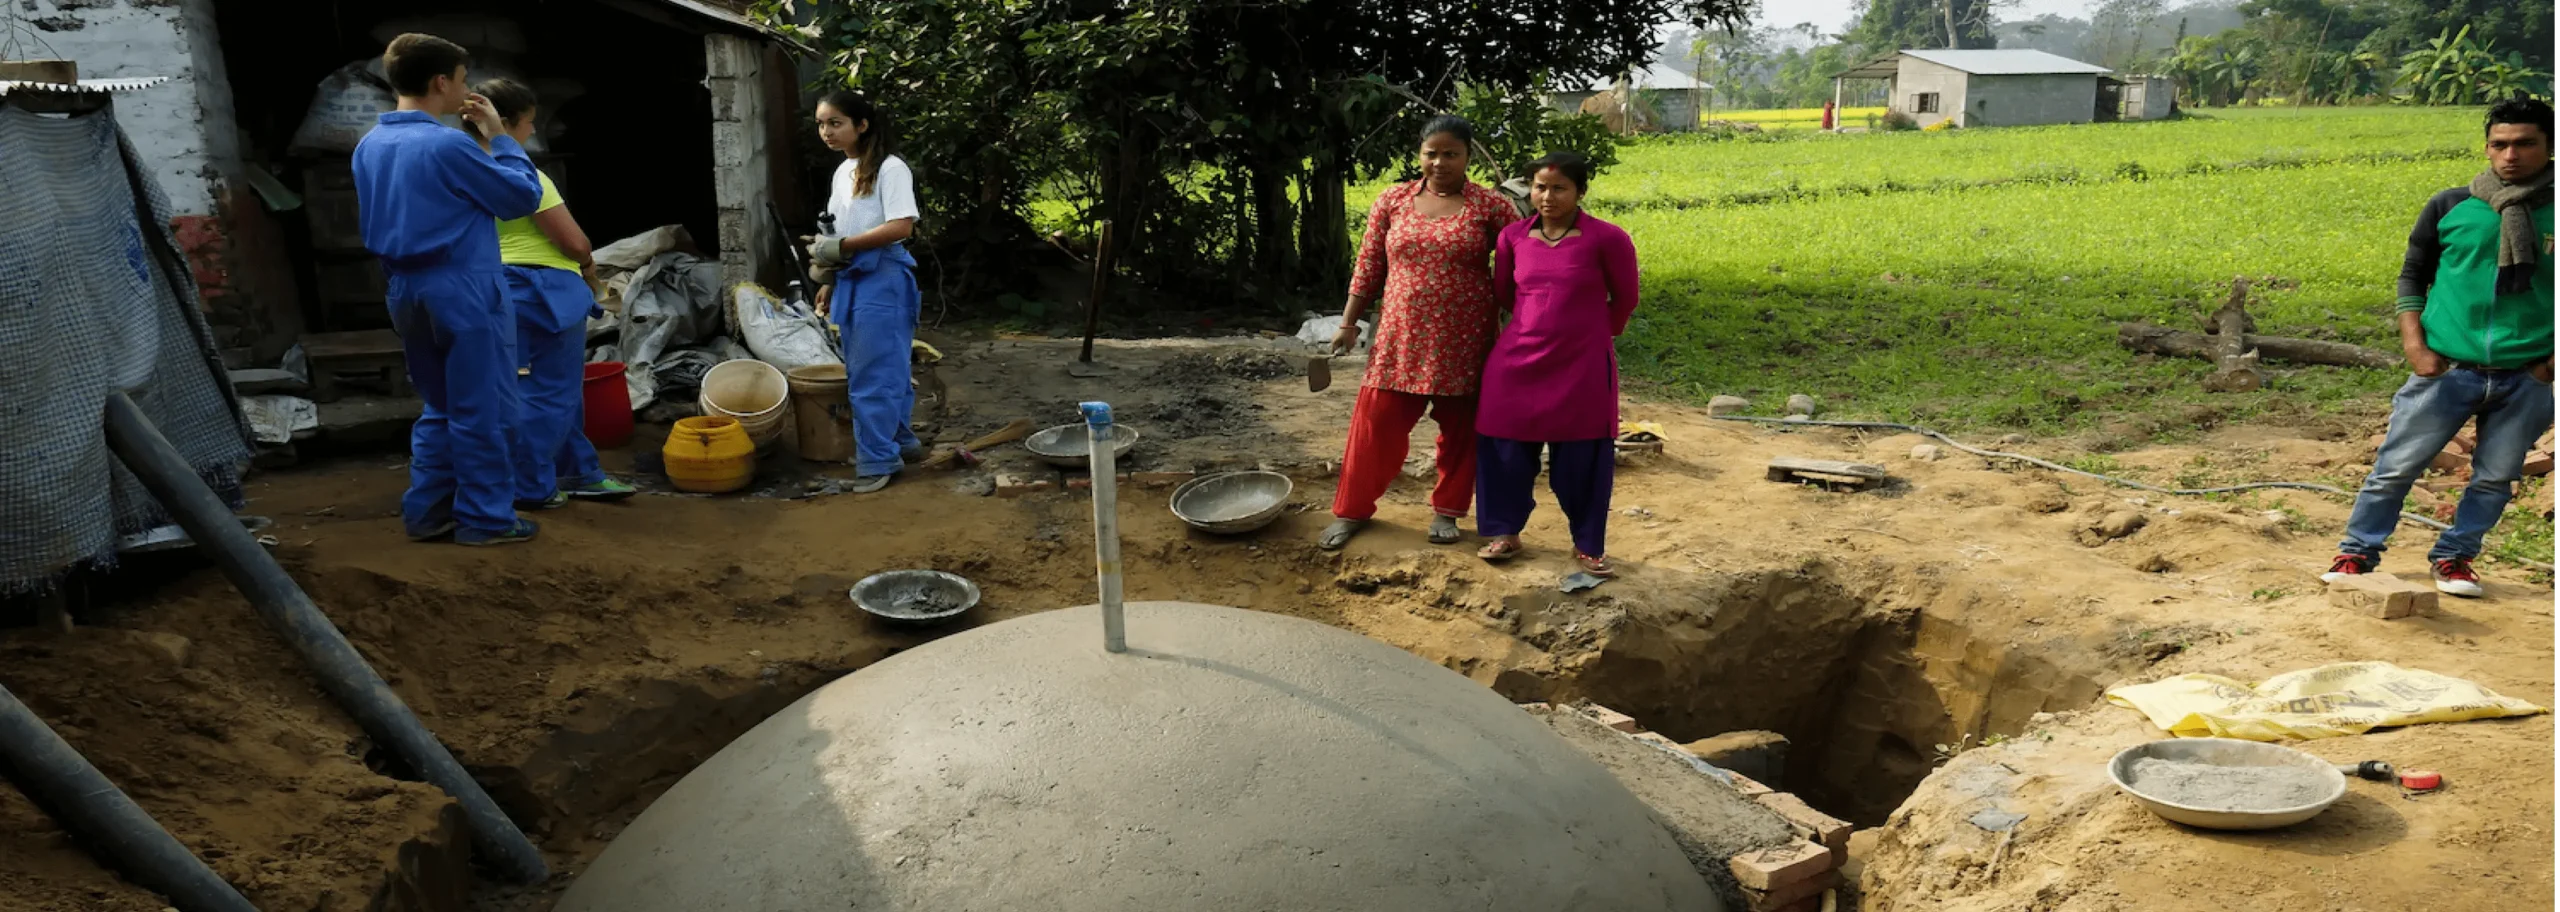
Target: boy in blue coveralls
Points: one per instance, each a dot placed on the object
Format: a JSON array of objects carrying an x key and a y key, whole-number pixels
[{"x": 429, "y": 201}]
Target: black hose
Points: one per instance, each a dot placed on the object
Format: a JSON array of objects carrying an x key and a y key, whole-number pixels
[
  {"x": 2405, "y": 517},
  {"x": 57, "y": 778},
  {"x": 341, "y": 670}
]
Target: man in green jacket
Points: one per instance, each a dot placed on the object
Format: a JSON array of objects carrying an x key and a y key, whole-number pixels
[{"x": 2475, "y": 323}]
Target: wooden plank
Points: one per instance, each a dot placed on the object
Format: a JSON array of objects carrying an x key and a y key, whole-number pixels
[
  {"x": 1789, "y": 468},
  {"x": 367, "y": 343}
]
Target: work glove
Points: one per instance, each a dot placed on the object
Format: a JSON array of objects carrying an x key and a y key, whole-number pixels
[
  {"x": 826, "y": 250},
  {"x": 820, "y": 276}
]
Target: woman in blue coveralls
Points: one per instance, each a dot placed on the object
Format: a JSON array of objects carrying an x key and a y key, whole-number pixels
[
  {"x": 875, "y": 299},
  {"x": 548, "y": 260}
]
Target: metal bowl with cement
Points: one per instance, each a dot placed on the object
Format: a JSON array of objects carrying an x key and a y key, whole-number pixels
[
  {"x": 915, "y": 597},
  {"x": 2226, "y": 783},
  {"x": 1232, "y": 503},
  {"x": 1070, "y": 446}
]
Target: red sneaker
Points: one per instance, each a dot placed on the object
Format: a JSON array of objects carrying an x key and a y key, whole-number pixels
[
  {"x": 2349, "y": 565},
  {"x": 2454, "y": 577}
]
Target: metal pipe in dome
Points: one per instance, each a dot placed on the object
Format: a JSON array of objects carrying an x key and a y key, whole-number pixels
[{"x": 1104, "y": 464}]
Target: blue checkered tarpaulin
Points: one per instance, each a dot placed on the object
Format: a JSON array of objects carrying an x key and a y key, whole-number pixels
[{"x": 95, "y": 297}]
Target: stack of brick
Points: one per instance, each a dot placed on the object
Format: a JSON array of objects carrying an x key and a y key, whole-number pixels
[{"x": 1800, "y": 876}]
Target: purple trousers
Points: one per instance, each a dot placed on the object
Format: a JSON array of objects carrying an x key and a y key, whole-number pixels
[{"x": 1580, "y": 472}]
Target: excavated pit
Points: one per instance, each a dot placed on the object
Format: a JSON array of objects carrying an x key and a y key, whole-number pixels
[
  {"x": 579, "y": 694},
  {"x": 1863, "y": 690}
]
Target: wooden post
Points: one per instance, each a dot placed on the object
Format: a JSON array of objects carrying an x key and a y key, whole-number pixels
[
  {"x": 1839, "y": 121},
  {"x": 2235, "y": 363},
  {"x": 1101, "y": 282}
]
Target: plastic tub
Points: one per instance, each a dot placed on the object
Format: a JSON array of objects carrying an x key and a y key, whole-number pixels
[
  {"x": 820, "y": 414},
  {"x": 608, "y": 405},
  {"x": 753, "y": 392}
]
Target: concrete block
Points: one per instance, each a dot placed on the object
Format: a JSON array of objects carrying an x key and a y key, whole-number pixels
[
  {"x": 1011, "y": 485},
  {"x": 1786, "y": 898},
  {"x": 1614, "y": 719},
  {"x": 2382, "y": 595},
  {"x": 729, "y": 99},
  {"x": 1831, "y": 832},
  {"x": 1783, "y": 866},
  {"x": 1749, "y": 787}
]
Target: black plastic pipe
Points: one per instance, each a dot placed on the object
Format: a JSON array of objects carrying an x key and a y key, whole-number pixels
[
  {"x": 75, "y": 793},
  {"x": 342, "y": 671}
]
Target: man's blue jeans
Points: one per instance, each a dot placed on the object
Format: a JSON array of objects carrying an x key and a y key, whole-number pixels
[{"x": 2513, "y": 408}]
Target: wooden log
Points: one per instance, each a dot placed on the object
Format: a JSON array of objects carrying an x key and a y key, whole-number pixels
[
  {"x": 2235, "y": 364},
  {"x": 2161, "y": 340}
]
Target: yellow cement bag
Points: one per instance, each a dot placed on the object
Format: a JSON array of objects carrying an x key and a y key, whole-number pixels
[{"x": 2324, "y": 702}]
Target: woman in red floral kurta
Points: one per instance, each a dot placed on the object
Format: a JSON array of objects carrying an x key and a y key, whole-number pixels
[{"x": 1425, "y": 258}]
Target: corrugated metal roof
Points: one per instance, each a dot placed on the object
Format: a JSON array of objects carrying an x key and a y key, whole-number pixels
[
  {"x": 1653, "y": 76},
  {"x": 2006, "y": 62}
]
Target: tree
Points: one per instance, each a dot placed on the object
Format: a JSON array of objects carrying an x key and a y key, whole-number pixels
[
  {"x": 1216, "y": 135},
  {"x": 1892, "y": 25}
]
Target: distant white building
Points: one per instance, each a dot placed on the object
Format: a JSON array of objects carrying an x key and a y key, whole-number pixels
[
  {"x": 1984, "y": 88},
  {"x": 1676, "y": 97}
]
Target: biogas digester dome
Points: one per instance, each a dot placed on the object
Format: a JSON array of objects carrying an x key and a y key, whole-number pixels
[{"x": 1230, "y": 760}]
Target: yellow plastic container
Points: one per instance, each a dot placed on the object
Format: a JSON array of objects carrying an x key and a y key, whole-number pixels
[{"x": 710, "y": 455}]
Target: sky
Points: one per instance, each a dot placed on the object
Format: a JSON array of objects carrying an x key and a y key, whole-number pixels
[{"x": 1834, "y": 15}]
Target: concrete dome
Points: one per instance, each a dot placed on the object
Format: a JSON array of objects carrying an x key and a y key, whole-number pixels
[{"x": 1230, "y": 760}]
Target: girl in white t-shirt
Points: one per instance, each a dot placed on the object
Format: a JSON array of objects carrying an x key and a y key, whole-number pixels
[{"x": 875, "y": 298}]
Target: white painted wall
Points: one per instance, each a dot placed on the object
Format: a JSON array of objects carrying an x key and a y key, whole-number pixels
[
  {"x": 1914, "y": 77},
  {"x": 185, "y": 128}
]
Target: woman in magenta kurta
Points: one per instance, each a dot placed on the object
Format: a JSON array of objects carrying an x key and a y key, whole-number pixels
[
  {"x": 1423, "y": 260},
  {"x": 1568, "y": 280}
]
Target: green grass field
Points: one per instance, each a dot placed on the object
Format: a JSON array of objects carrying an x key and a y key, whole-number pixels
[{"x": 1975, "y": 278}]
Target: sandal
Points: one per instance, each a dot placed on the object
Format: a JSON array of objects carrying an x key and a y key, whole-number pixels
[
  {"x": 1444, "y": 530},
  {"x": 1596, "y": 566},
  {"x": 1502, "y": 548},
  {"x": 1339, "y": 534}
]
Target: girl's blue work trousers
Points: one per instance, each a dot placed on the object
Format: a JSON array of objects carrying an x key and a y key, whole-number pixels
[
  {"x": 551, "y": 310},
  {"x": 876, "y": 306}
]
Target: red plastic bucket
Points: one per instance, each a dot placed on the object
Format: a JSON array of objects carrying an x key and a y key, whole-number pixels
[{"x": 608, "y": 405}]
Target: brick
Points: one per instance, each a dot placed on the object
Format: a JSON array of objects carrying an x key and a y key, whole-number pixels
[
  {"x": 1749, "y": 787},
  {"x": 1783, "y": 866},
  {"x": 2466, "y": 442},
  {"x": 2538, "y": 464},
  {"x": 2450, "y": 460},
  {"x": 1615, "y": 719},
  {"x": 1831, "y": 832},
  {"x": 2382, "y": 595},
  {"x": 1161, "y": 479},
  {"x": 1656, "y": 739},
  {"x": 1010, "y": 485},
  {"x": 1787, "y": 898},
  {"x": 1085, "y": 482}
]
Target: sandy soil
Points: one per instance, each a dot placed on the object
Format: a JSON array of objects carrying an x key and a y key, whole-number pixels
[{"x": 581, "y": 675}]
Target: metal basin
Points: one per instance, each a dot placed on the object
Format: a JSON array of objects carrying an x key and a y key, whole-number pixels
[
  {"x": 2235, "y": 754},
  {"x": 1070, "y": 446},
  {"x": 915, "y": 597},
  {"x": 1232, "y": 503}
]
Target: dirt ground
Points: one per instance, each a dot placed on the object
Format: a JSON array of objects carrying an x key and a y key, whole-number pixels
[{"x": 581, "y": 675}]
